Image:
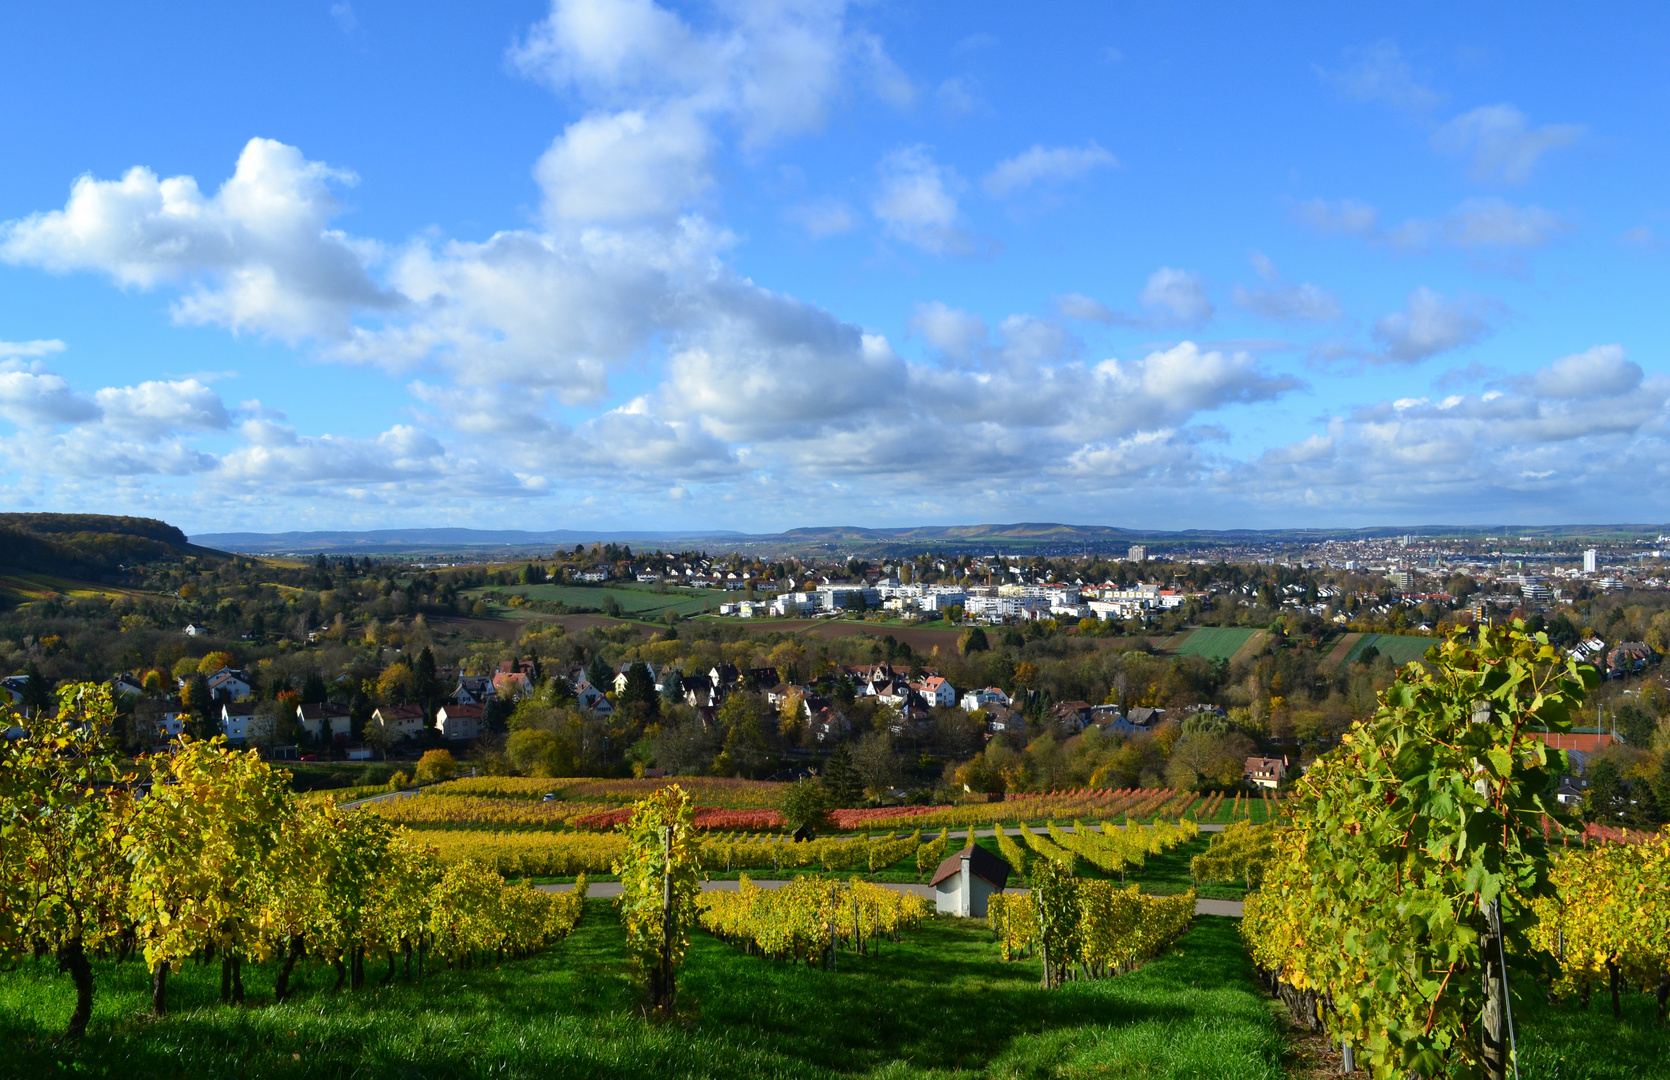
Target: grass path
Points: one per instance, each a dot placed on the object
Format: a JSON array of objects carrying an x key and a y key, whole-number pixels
[
  {"x": 1335, "y": 657},
  {"x": 1251, "y": 647}
]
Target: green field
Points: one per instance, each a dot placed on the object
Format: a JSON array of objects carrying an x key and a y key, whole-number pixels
[
  {"x": 634, "y": 603},
  {"x": 1216, "y": 642},
  {"x": 941, "y": 1000},
  {"x": 1399, "y": 647}
]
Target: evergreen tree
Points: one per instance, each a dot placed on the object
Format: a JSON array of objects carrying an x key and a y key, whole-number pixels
[
  {"x": 37, "y": 691},
  {"x": 427, "y": 685},
  {"x": 314, "y": 691},
  {"x": 640, "y": 691},
  {"x": 840, "y": 778},
  {"x": 599, "y": 674}
]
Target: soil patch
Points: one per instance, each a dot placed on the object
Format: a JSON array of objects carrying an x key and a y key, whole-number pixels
[{"x": 1342, "y": 648}]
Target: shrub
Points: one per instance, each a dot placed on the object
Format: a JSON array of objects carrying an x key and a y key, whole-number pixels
[{"x": 437, "y": 765}]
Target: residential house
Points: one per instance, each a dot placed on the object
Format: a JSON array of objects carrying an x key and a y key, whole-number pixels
[
  {"x": 1145, "y": 718},
  {"x": 171, "y": 721},
  {"x": 240, "y": 724},
  {"x": 126, "y": 684},
  {"x": 620, "y": 676},
  {"x": 459, "y": 721},
  {"x": 593, "y": 700},
  {"x": 1003, "y": 718},
  {"x": 1629, "y": 656},
  {"x": 229, "y": 684},
  {"x": 699, "y": 691},
  {"x": 1072, "y": 716},
  {"x": 473, "y": 690},
  {"x": 976, "y": 700},
  {"x": 1264, "y": 772},
  {"x": 938, "y": 693},
  {"x": 325, "y": 720},
  {"x": 401, "y": 721},
  {"x": 830, "y": 724},
  {"x": 724, "y": 678},
  {"x": 511, "y": 685},
  {"x": 12, "y": 687}
]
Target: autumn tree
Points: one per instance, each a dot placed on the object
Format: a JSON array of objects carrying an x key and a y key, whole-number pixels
[
  {"x": 202, "y": 846},
  {"x": 63, "y": 812}
]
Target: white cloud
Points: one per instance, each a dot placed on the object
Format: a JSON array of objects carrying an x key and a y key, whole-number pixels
[
  {"x": 1304, "y": 302},
  {"x": 343, "y": 14},
  {"x": 1175, "y": 297},
  {"x": 1079, "y": 306},
  {"x": 955, "y": 333},
  {"x": 1379, "y": 73},
  {"x": 1504, "y": 147},
  {"x": 1474, "y": 225},
  {"x": 10, "y": 349},
  {"x": 625, "y": 166},
  {"x": 1553, "y": 438},
  {"x": 1428, "y": 325},
  {"x": 916, "y": 202},
  {"x": 775, "y": 68},
  {"x": 1045, "y": 165},
  {"x": 829, "y": 217},
  {"x": 257, "y": 255},
  {"x": 40, "y": 398},
  {"x": 1598, "y": 372},
  {"x": 1346, "y": 217},
  {"x": 152, "y": 410}
]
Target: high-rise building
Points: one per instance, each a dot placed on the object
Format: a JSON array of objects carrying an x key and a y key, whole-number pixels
[
  {"x": 1591, "y": 561},
  {"x": 1138, "y": 553}
]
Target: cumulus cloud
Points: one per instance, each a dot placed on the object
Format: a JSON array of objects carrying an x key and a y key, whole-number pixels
[
  {"x": 256, "y": 255},
  {"x": 1552, "y": 437},
  {"x": 916, "y": 202},
  {"x": 1501, "y": 142},
  {"x": 1379, "y": 73},
  {"x": 1428, "y": 325},
  {"x": 1042, "y": 165},
  {"x": 774, "y": 68},
  {"x": 32, "y": 398},
  {"x": 623, "y": 166}
]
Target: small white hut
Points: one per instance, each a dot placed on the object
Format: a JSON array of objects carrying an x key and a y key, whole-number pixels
[{"x": 965, "y": 881}]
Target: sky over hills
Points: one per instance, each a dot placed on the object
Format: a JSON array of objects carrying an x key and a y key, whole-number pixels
[{"x": 753, "y": 266}]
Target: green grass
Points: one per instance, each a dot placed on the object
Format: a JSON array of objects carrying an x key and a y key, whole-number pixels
[
  {"x": 1400, "y": 648},
  {"x": 1216, "y": 642},
  {"x": 641, "y": 603},
  {"x": 1564, "y": 1042},
  {"x": 938, "y": 1002}
]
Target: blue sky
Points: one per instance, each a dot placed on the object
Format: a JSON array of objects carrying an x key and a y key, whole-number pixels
[{"x": 614, "y": 264}]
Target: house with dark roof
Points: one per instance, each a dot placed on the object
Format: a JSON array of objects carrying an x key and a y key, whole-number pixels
[{"x": 965, "y": 881}]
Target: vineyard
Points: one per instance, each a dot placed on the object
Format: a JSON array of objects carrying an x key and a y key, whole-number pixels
[
  {"x": 808, "y": 920},
  {"x": 219, "y": 884}
]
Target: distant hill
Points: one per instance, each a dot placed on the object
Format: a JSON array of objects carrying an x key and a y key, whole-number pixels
[
  {"x": 417, "y": 541},
  {"x": 87, "y": 546},
  {"x": 834, "y": 540}
]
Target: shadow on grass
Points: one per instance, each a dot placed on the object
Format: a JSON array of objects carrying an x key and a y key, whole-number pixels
[{"x": 939, "y": 1000}]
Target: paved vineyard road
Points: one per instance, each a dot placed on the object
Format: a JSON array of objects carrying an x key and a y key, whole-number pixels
[{"x": 606, "y": 889}]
